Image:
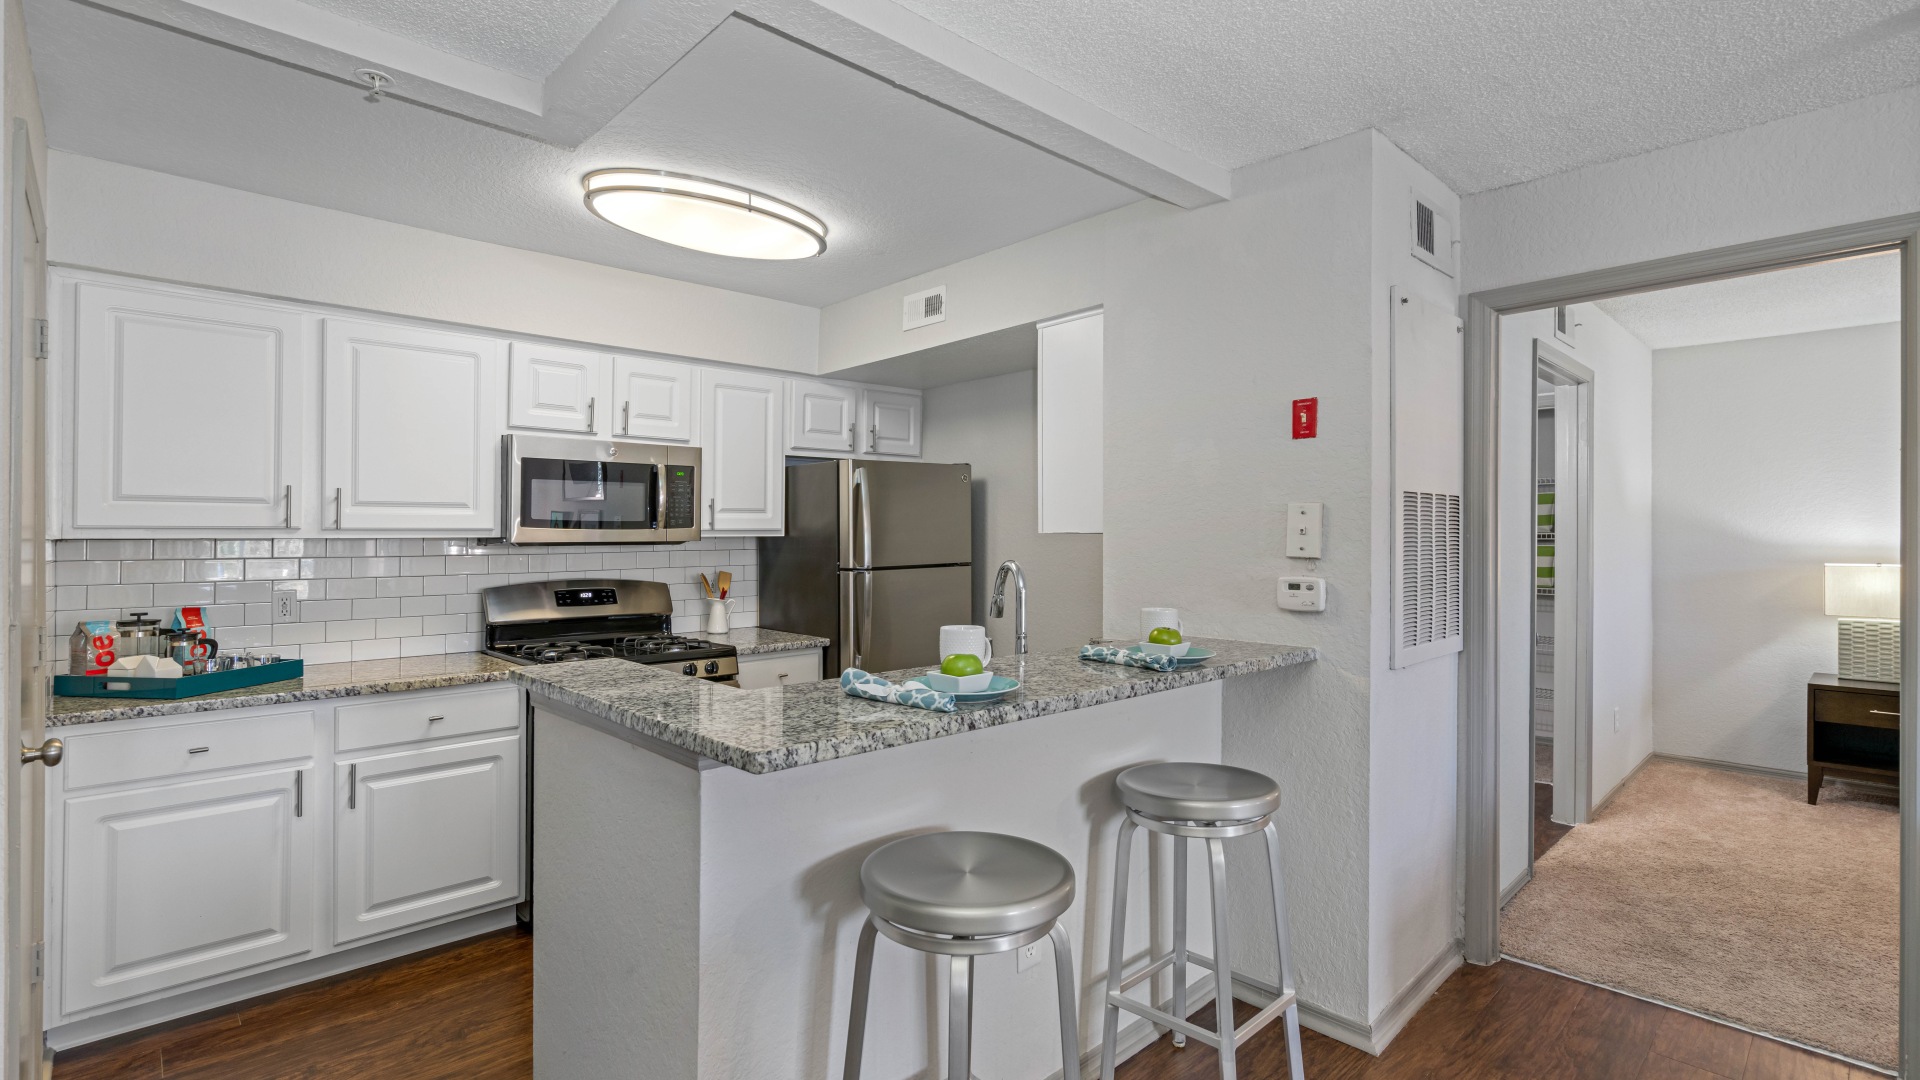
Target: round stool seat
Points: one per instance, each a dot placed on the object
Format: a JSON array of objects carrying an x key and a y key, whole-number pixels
[
  {"x": 967, "y": 884},
  {"x": 1196, "y": 791}
]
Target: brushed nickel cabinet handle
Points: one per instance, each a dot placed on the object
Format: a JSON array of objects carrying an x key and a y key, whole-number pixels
[
  {"x": 591, "y": 402},
  {"x": 289, "y": 498},
  {"x": 431, "y": 719},
  {"x": 626, "y": 426},
  {"x": 300, "y": 793},
  {"x": 199, "y": 750},
  {"x": 1881, "y": 712},
  {"x": 353, "y": 787},
  {"x": 336, "y": 508}
]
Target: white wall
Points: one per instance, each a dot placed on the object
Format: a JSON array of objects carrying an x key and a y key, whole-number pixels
[
  {"x": 1849, "y": 163},
  {"x": 992, "y": 424},
  {"x": 1622, "y": 559},
  {"x": 1216, "y": 319},
  {"x": 1774, "y": 456},
  {"x": 107, "y": 216}
]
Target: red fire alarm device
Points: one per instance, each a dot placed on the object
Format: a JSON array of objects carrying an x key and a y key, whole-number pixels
[{"x": 1306, "y": 417}]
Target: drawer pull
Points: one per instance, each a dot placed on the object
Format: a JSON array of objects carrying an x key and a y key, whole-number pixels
[
  {"x": 1881, "y": 712},
  {"x": 431, "y": 719},
  {"x": 353, "y": 786},
  {"x": 199, "y": 749},
  {"x": 784, "y": 674}
]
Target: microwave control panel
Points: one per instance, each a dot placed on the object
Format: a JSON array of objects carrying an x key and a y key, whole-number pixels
[{"x": 681, "y": 513}]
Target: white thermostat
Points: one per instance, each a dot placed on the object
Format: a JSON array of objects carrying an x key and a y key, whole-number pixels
[{"x": 1303, "y": 594}]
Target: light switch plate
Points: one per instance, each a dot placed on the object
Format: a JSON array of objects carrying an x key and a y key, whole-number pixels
[
  {"x": 1303, "y": 594},
  {"x": 1303, "y": 530}
]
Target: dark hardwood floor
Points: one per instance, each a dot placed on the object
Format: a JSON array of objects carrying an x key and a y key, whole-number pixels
[
  {"x": 466, "y": 1012},
  {"x": 1546, "y": 831}
]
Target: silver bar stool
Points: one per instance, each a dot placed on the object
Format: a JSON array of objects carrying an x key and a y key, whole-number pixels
[
  {"x": 962, "y": 895},
  {"x": 1192, "y": 800}
]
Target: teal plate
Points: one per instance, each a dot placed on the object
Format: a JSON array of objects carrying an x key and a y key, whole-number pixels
[
  {"x": 1000, "y": 687},
  {"x": 1195, "y": 656}
]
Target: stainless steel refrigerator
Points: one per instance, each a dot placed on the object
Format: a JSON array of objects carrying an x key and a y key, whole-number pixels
[{"x": 877, "y": 557}]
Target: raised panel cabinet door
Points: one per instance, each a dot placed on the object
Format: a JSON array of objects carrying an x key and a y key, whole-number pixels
[
  {"x": 422, "y": 834},
  {"x": 171, "y": 884},
  {"x": 821, "y": 416},
  {"x": 742, "y": 453},
  {"x": 154, "y": 370},
  {"x": 890, "y": 423},
  {"x": 553, "y": 388},
  {"x": 412, "y": 428},
  {"x": 652, "y": 399}
]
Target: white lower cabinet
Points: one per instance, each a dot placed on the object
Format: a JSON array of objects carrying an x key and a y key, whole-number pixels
[
  {"x": 176, "y": 883},
  {"x": 425, "y": 833},
  {"x": 187, "y": 852},
  {"x": 758, "y": 672}
]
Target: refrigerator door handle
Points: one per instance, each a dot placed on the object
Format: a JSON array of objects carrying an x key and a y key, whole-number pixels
[
  {"x": 858, "y": 617},
  {"x": 866, "y": 617},
  {"x": 864, "y": 494}
]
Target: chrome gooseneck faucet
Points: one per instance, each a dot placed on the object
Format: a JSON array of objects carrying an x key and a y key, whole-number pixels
[{"x": 1019, "y": 602}]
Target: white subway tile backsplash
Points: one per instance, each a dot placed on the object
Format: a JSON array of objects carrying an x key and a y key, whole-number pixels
[
  {"x": 377, "y": 649},
  {"x": 183, "y": 549},
  {"x": 385, "y": 607},
  {"x": 360, "y": 599},
  {"x": 355, "y": 588}
]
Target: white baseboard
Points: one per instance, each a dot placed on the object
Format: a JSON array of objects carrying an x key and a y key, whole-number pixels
[
  {"x": 1735, "y": 766},
  {"x": 1507, "y": 894},
  {"x": 1394, "y": 1017},
  {"x": 147, "y": 1014}
]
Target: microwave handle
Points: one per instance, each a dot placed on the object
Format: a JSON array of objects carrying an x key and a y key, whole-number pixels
[{"x": 660, "y": 496}]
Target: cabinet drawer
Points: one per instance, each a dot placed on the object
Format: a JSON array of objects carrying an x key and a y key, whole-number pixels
[
  {"x": 114, "y": 757},
  {"x": 779, "y": 669},
  {"x": 412, "y": 718},
  {"x": 1865, "y": 710}
]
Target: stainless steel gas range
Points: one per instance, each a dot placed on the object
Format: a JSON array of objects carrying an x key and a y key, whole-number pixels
[{"x": 553, "y": 622}]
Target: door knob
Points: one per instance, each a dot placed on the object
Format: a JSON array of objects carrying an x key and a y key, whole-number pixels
[{"x": 49, "y": 753}]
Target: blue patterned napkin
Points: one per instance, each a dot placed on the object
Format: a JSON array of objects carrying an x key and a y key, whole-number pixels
[
  {"x": 858, "y": 683},
  {"x": 1107, "y": 654}
]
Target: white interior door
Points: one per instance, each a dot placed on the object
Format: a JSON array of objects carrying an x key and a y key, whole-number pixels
[
  {"x": 23, "y": 594},
  {"x": 1572, "y": 627}
]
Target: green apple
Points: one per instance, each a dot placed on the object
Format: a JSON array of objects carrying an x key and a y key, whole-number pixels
[
  {"x": 1164, "y": 635},
  {"x": 960, "y": 665}
]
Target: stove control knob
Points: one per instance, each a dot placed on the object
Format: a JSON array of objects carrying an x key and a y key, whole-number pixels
[
  {"x": 713, "y": 667},
  {"x": 690, "y": 669}
]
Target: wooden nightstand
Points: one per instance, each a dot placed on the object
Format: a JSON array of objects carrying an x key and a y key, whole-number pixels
[{"x": 1853, "y": 731}]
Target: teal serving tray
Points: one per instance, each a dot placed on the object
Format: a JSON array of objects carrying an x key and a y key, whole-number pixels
[{"x": 185, "y": 686}]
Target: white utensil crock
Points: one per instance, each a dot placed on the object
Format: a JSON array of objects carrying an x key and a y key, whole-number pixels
[{"x": 717, "y": 614}]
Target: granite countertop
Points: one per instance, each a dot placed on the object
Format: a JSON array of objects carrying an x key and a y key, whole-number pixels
[
  {"x": 752, "y": 640},
  {"x": 762, "y": 731},
  {"x": 319, "y": 681}
]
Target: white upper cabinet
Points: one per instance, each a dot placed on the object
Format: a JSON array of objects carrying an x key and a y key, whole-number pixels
[
  {"x": 890, "y": 422},
  {"x": 742, "y": 452},
  {"x": 155, "y": 371},
  {"x": 822, "y": 416},
  {"x": 554, "y": 388},
  {"x": 412, "y": 426},
  {"x": 653, "y": 400}
]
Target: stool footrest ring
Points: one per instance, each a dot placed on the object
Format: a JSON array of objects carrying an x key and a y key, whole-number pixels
[{"x": 1281, "y": 1000}]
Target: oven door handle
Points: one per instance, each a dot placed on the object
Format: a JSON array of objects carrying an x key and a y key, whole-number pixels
[{"x": 660, "y": 497}]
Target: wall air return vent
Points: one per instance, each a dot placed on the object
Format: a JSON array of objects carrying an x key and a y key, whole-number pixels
[
  {"x": 924, "y": 308},
  {"x": 1431, "y": 235},
  {"x": 1428, "y": 474}
]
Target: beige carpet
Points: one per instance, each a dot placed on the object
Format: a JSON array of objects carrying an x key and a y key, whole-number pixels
[{"x": 1727, "y": 894}]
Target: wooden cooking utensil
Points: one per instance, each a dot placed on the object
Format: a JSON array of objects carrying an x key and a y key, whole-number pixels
[
  {"x": 726, "y": 582},
  {"x": 707, "y": 585}
]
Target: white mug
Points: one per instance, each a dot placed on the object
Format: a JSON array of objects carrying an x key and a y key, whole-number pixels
[
  {"x": 966, "y": 639},
  {"x": 1153, "y": 618}
]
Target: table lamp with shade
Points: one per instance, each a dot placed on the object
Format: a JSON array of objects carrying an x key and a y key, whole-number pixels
[{"x": 1866, "y": 597}]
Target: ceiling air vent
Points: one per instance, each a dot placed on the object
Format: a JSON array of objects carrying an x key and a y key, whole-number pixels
[
  {"x": 1432, "y": 236},
  {"x": 924, "y": 308}
]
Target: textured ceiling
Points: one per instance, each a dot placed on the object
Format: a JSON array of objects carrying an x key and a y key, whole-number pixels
[
  {"x": 903, "y": 184},
  {"x": 1824, "y": 296},
  {"x": 526, "y": 39},
  {"x": 1483, "y": 92}
]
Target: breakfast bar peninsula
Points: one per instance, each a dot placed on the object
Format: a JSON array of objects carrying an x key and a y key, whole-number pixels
[{"x": 697, "y": 848}]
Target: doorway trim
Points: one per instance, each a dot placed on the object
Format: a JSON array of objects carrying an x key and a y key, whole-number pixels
[
  {"x": 1480, "y": 661},
  {"x": 1573, "y": 382}
]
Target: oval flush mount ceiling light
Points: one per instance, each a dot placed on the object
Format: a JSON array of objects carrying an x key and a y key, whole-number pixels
[{"x": 704, "y": 215}]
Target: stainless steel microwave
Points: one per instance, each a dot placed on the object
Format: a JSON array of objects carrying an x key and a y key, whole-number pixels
[{"x": 592, "y": 491}]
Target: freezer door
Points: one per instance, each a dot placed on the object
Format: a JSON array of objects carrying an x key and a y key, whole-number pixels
[
  {"x": 891, "y": 619},
  {"x": 905, "y": 513}
]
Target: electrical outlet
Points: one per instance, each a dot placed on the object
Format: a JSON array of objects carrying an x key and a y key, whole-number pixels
[
  {"x": 1616, "y": 718},
  {"x": 1029, "y": 956},
  {"x": 286, "y": 605}
]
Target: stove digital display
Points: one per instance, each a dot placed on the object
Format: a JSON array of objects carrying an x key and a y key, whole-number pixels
[{"x": 583, "y": 597}]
